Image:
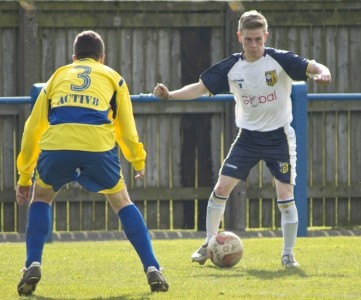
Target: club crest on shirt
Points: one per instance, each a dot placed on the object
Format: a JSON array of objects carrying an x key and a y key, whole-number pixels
[{"x": 271, "y": 77}]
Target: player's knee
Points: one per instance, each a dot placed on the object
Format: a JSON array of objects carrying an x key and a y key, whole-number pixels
[
  {"x": 44, "y": 194},
  {"x": 118, "y": 200},
  {"x": 220, "y": 192},
  {"x": 216, "y": 200},
  {"x": 284, "y": 190},
  {"x": 288, "y": 210}
]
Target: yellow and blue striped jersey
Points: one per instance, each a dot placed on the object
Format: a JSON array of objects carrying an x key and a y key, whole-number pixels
[{"x": 84, "y": 106}]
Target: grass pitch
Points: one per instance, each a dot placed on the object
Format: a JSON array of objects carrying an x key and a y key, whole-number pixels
[{"x": 330, "y": 269}]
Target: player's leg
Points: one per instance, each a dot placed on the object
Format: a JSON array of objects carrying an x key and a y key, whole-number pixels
[
  {"x": 39, "y": 224},
  {"x": 54, "y": 169},
  {"x": 240, "y": 159},
  {"x": 215, "y": 211},
  {"x": 101, "y": 172},
  {"x": 281, "y": 160},
  {"x": 289, "y": 221},
  {"x": 134, "y": 227},
  {"x": 137, "y": 233},
  {"x": 217, "y": 204}
]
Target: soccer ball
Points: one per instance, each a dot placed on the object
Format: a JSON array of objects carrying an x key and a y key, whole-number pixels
[{"x": 225, "y": 249}]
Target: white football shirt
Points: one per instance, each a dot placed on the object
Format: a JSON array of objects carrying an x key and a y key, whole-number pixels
[{"x": 262, "y": 88}]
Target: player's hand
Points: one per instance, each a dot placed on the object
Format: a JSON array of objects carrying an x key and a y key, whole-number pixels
[
  {"x": 323, "y": 79},
  {"x": 22, "y": 194},
  {"x": 161, "y": 91},
  {"x": 139, "y": 174}
]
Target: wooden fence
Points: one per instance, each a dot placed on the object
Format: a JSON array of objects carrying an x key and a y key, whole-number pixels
[
  {"x": 174, "y": 193},
  {"x": 335, "y": 163},
  {"x": 172, "y": 42}
]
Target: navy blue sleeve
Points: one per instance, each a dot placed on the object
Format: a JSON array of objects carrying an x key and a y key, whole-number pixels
[
  {"x": 295, "y": 66},
  {"x": 215, "y": 78}
]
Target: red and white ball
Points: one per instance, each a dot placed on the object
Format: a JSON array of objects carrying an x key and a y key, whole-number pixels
[{"x": 225, "y": 249}]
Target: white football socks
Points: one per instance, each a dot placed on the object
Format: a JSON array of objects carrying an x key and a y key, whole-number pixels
[
  {"x": 215, "y": 211},
  {"x": 289, "y": 224}
]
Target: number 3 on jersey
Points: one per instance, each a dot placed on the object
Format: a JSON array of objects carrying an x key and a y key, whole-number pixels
[{"x": 85, "y": 77}]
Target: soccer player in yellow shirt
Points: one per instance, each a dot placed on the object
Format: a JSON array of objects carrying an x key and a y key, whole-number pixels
[{"x": 81, "y": 116}]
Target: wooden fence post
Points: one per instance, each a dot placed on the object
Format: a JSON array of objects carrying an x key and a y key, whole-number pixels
[
  {"x": 28, "y": 70},
  {"x": 28, "y": 45}
]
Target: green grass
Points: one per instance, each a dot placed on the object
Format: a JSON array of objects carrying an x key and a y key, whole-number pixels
[{"x": 330, "y": 269}]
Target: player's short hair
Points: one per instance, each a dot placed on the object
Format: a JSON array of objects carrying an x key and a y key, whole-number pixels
[
  {"x": 252, "y": 20},
  {"x": 88, "y": 44}
]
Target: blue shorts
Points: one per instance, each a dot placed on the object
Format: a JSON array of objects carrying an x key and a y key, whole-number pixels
[
  {"x": 277, "y": 148},
  {"x": 95, "y": 171}
]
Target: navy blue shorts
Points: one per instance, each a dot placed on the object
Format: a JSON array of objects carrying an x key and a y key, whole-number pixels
[
  {"x": 277, "y": 148},
  {"x": 95, "y": 171}
]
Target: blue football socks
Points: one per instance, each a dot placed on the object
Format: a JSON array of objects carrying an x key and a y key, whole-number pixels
[
  {"x": 138, "y": 235},
  {"x": 37, "y": 230}
]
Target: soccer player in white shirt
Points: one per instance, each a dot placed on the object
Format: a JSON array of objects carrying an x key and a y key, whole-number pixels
[{"x": 261, "y": 80}]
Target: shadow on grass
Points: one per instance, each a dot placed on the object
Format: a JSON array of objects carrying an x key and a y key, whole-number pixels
[
  {"x": 259, "y": 273},
  {"x": 123, "y": 297},
  {"x": 140, "y": 297},
  {"x": 269, "y": 275},
  {"x": 220, "y": 272}
]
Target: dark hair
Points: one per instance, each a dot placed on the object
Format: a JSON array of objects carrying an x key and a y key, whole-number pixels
[{"x": 88, "y": 44}]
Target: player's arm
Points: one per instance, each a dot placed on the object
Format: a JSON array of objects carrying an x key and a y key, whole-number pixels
[
  {"x": 188, "y": 92},
  {"x": 126, "y": 133},
  {"x": 35, "y": 125},
  {"x": 319, "y": 72}
]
